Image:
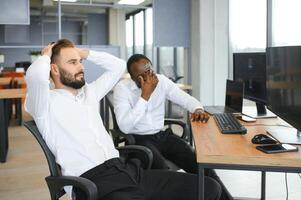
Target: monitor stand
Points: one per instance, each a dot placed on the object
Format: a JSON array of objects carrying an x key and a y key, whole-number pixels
[
  {"x": 258, "y": 112},
  {"x": 286, "y": 135}
]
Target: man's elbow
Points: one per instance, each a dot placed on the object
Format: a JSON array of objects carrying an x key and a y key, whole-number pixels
[{"x": 124, "y": 127}]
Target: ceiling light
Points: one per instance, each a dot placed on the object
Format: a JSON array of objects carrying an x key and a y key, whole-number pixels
[
  {"x": 130, "y": 2},
  {"x": 66, "y": 0}
]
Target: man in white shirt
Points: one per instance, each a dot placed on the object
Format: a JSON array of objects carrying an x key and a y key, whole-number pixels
[
  {"x": 70, "y": 124},
  {"x": 139, "y": 106}
]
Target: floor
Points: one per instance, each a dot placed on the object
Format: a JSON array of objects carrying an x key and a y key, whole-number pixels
[{"x": 22, "y": 176}]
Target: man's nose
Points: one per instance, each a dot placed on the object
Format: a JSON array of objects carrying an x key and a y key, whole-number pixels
[{"x": 81, "y": 66}]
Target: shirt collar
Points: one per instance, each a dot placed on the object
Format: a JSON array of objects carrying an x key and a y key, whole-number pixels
[{"x": 80, "y": 92}]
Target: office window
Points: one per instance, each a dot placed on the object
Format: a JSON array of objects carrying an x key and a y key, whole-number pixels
[
  {"x": 139, "y": 32},
  {"x": 129, "y": 36},
  {"x": 286, "y": 17},
  {"x": 171, "y": 62},
  {"x": 248, "y": 25},
  {"x": 166, "y": 61}
]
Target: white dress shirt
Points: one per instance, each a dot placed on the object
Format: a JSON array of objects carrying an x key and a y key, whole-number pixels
[
  {"x": 137, "y": 116},
  {"x": 71, "y": 125}
]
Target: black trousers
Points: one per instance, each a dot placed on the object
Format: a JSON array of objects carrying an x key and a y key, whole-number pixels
[
  {"x": 120, "y": 180},
  {"x": 166, "y": 145},
  {"x": 169, "y": 146}
]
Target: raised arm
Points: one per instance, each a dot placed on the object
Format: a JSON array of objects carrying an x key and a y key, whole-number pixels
[
  {"x": 37, "y": 79},
  {"x": 127, "y": 115},
  {"x": 178, "y": 96},
  {"x": 114, "y": 67}
]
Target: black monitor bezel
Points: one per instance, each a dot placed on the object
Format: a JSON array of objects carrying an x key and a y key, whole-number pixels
[
  {"x": 252, "y": 98},
  {"x": 279, "y": 114}
]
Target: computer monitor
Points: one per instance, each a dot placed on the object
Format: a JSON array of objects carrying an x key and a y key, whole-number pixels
[
  {"x": 234, "y": 95},
  {"x": 284, "y": 89},
  {"x": 250, "y": 68}
]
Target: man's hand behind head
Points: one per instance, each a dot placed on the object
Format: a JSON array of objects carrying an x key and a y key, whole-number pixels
[
  {"x": 47, "y": 50},
  {"x": 200, "y": 116},
  {"x": 83, "y": 53}
]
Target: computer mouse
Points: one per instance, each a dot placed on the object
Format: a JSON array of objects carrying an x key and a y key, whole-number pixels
[{"x": 263, "y": 139}]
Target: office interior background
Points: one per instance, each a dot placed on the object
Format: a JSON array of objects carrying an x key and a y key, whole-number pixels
[{"x": 193, "y": 39}]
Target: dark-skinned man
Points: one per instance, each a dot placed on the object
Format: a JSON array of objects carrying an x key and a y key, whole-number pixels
[{"x": 139, "y": 106}]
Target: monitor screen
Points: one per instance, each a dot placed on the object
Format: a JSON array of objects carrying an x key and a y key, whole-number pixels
[
  {"x": 234, "y": 95},
  {"x": 250, "y": 69},
  {"x": 284, "y": 83}
]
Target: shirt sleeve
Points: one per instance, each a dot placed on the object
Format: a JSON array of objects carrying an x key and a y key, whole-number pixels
[
  {"x": 114, "y": 67},
  {"x": 126, "y": 115},
  {"x": 37, "y": 80},
  {"x": 178, "y": 96}
]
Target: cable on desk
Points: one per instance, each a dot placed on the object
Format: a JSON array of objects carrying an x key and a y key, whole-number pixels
[{"x": 299, "y": 175}]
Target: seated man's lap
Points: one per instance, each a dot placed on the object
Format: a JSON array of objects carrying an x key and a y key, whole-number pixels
[
  {"x": 169, "y": 147},
  {"x": 167, "y": 185}
]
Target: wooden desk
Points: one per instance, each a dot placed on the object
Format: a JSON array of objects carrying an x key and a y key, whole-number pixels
[
  {"x": 4, "y": 81},
  {"x": 220, "y": 151},
  {"x": 4, "y": 95}
]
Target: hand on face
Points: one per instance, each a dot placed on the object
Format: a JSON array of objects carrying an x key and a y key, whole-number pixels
[
  {"x": 48, "y": 50},
  {"x": 148, "y": 82},
  {"x": 200, "y": 116}
]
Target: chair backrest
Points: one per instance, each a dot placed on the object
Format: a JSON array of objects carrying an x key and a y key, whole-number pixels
[
  {"x": 109, "y": 99},
  {"x": 53, "y": 166}
]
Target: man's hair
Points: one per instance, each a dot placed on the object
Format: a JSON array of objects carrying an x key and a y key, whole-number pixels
[
  {"x": 135, "y": 58},
  {"x": 56, "y": 49}
]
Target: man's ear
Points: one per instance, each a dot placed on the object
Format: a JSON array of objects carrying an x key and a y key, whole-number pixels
[{"x": 54, "y": 69}]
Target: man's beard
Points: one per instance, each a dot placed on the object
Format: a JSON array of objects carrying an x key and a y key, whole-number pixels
[{"x": 70, "y": 80}]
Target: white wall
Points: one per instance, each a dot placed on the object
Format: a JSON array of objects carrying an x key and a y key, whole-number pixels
[{"x": 209, "y": 50}]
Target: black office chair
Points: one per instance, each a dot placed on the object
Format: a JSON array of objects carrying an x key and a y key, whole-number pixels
[{"x": 56, "y": 181}]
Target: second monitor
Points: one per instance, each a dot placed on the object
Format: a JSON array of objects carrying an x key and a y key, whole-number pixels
[{"x": 250, "y": 68}]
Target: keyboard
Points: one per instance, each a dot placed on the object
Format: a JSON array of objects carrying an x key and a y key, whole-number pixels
[{"x": 228, "y": 124}]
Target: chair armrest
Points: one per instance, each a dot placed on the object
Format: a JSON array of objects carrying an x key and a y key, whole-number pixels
[
  {"x": 180, "y": 123},
  {"x": 56, "y": 185},
  {"x": 127, "y": 138},
  {"x": 144, "y": 154}
]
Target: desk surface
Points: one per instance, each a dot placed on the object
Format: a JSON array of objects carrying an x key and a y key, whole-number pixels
[
  {"x": 12, "y": 93},
  {"x": 212, "y": 147},
  {"x": 5, "y": 80}
]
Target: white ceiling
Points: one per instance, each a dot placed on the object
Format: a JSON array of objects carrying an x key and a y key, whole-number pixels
[
  {"x": 51, "y": 6},
  {"x": 48, "y": 9}
]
